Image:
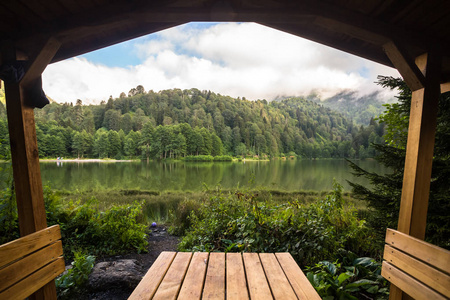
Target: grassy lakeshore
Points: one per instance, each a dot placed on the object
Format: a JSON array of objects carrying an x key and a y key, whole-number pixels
[{"x": 161, "y": 206}]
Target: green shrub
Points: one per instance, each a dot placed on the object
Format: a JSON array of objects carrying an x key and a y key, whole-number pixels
[
  {"x": 314, "y": 232},
  {"x": 72, "y": 282},
  {"x": 223, "y": 158},
  {"x": 198, "y": 158}
]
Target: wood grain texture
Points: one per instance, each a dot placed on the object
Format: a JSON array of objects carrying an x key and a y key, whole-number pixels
[
  {"x": 296, "y": 277},
  {"x": 419, "y": 150},
  {"x": 193, "y": 283},
  {"x": 426, "y": 274},
  {"x": 171, "y": 284},
  {"x": 27, "y": 244},
  {"x": 236, "y": 281},
  {"x": 429, "y": 253},
  {"x": 35, "y": 281},
  {"x": 29, "y": 264},
  {"x": 279, "y": 284},
  {"x": 24, "y": 156},
  {"x": 215, "y": 277},
  {"x": 408, "y": 284},
  {"x": 152, "y": 279},
  {"x": 258, "y": 286}
]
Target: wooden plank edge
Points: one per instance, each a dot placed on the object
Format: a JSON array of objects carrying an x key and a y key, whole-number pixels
[
  {"x": 143, "y": 291},
  {"x": 298, "y": 280},
  {"x": 22, "y": 268},
  {"x": 408, "y": 284},
  {"x": 435, "y": 256},
  {"x": 20, "y": 247},
  {"x": 426, "y": 274},
  {"x": 35, "y": 281}
]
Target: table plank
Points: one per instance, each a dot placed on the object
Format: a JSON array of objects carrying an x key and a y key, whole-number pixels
[
  {"x": 258, "y": 286},
  {"x": 279, "y": 284},
  {"x": 148, "y": 285},
  {"x": 171, "y": 284},
  {"x": 298, "y": 280},
  {"x": 215, "y": 277},
  {"x": 193, "y": 283},
  {"x": 236, "y": 282}
]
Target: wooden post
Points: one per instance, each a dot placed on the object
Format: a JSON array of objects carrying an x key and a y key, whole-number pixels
[
  {"x": 419, "y": 154},
  {"x": 25, "y": 162}
]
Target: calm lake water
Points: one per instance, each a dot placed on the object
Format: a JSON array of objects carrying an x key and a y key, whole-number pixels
[{"x": 180, "y": 176}]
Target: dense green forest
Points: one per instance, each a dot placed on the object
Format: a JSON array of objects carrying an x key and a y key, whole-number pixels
[{"x": 175, "y": 123}]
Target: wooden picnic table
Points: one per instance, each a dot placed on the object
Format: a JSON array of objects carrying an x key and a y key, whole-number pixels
[{"x": 201, "y": 275}]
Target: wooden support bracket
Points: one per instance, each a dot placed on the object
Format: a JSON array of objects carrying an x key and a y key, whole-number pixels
[
  {"x": 405, "y": 65},
  {"x": 40, "y": 62}
]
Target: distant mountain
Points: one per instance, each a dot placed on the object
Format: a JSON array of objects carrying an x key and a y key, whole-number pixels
[{"x": 361, "y": 109}]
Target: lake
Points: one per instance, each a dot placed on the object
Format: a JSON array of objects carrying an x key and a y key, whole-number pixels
[{"x": 290, "y": 175}]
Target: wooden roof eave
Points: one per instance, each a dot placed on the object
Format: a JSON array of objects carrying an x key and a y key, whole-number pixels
[{"x": 83, "y": 31}]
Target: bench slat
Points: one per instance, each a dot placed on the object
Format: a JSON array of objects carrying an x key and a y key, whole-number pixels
[
  {"x": 408, "y": 284},
  {"x": 35, "y": 281},
  {"x": 236, "y": 282},
  {"x": 23, "y": 246},
  {"x": 215, "y": 277},
  {"x": 431, "y": 254},
  {"x": 29, "y": 264},
  {"x": 193, "y": 283},
  {"x": 417, "y": 269},
  {"x": 258, "y": 286},
  {"x": 280, "y": 286},
  {"x": 171, "y": 284},
  {"x": 152, "y": 279},
  {"x": 297, "y": 278}
]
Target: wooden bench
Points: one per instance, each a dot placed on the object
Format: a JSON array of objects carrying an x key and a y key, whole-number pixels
[
  {"x": 30, "y": 262},
  {"x": 418, "y": 268},
  {"x": 201, "y": 275}
]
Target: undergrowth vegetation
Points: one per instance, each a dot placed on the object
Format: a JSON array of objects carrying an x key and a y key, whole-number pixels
[
  {"x": 326, "y": 234},
  {"x": 84, "y": 227}
]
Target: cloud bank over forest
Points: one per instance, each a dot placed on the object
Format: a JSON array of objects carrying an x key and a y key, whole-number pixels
[{"x": 236, "y": 59}]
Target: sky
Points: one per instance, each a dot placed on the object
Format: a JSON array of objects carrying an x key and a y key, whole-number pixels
[{"x": 235, "y": 59}]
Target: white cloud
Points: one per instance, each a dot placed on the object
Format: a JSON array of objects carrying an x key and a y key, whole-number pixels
[{"x": 236, "y": 59}]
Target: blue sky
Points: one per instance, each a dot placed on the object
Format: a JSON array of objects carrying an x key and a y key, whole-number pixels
[{"x": 236, "y": 59}]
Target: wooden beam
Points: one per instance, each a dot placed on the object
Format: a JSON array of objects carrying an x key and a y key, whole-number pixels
[
  {"x": 25, "y": 162},
  {"x": 419, "y": 155},
  {"x": 419, "y": 151},
  {"x": 405, "y": 65},
  {"x": 40, "y": 62}
]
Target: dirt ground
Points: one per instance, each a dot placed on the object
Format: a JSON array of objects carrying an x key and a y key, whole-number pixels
[{"x": 158, "y": 240}]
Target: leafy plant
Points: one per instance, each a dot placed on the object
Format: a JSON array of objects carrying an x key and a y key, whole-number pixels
[
  {"x": 353, "y": 278},
  {"x": 72, "y": 281}
]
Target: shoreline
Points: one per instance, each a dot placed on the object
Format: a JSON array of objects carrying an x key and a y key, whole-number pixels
[{"x": 85, "y": 160}]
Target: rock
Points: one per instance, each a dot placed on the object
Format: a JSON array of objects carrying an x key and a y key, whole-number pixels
[{"x": 123, "y": 273}]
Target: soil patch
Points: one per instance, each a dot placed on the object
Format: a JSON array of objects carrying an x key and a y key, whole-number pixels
[{"x": 158, "y": 240}]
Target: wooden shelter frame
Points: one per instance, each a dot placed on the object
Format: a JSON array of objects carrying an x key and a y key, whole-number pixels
[{"x": 421, "y": 57}]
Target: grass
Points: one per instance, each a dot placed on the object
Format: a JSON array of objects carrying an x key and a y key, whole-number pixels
[{"x": 161, "y": 206}]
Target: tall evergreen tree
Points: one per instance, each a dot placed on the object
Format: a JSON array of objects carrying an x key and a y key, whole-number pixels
[{"x": 384, "y": 195}]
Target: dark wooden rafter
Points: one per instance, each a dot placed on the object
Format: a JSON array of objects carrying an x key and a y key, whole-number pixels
[
  {"x": 329, "y": 16},
  {"x": 413, "y": 77}
]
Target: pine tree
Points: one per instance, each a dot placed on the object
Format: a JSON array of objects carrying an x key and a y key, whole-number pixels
[{"x": 384, "y": 195}]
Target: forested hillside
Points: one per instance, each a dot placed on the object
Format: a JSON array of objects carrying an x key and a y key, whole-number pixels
[
  {"x": 175, "y": 123},
  {"x": 361, "y": 109}
]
